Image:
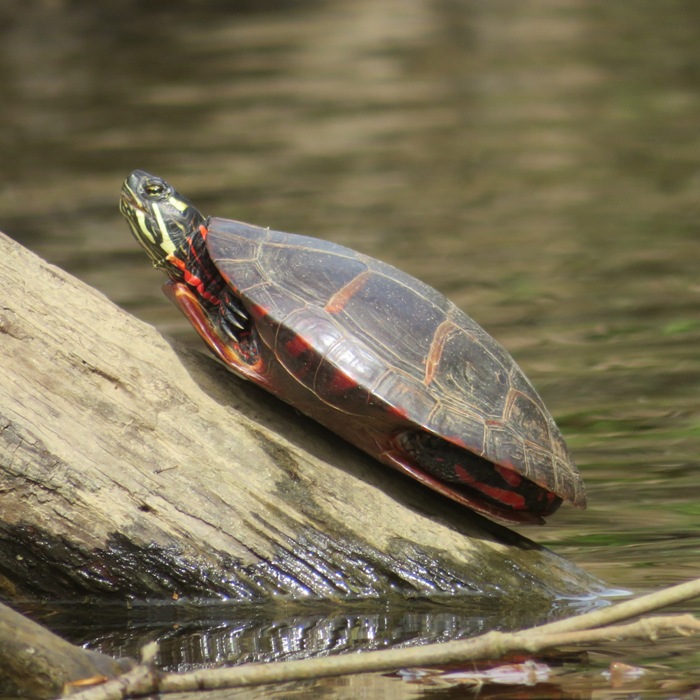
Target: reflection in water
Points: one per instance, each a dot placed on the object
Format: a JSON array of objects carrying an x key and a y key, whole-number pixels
[
  {"x": 196, "y": 633},
  {"x": 537, "y": 162}
]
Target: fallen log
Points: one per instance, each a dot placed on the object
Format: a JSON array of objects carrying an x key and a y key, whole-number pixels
[
  {"x": 131, "y": 466},
  {"x": 34, "y": 663}
]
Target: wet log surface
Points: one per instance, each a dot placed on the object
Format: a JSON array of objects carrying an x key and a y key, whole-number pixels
[{"x": 133, "y": 467}]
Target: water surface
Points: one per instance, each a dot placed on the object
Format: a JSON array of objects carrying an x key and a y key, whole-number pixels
[{"x": 538, "y": 162}]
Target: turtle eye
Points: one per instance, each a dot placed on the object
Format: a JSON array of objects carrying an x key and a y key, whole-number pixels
[{"x": 155, "y": 189}]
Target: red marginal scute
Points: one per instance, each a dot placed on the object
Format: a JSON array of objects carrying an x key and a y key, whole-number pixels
[
  {"x": 398, "y": 412},
  {"x": 296, "y": 346},
  {"x": 204, "y": 231},
  {"x": 340, "y": 382},
  {"x": 255, "y": 309}
]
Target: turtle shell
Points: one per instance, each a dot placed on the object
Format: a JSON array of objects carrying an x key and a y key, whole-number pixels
[{"x": 368, "y": 350}]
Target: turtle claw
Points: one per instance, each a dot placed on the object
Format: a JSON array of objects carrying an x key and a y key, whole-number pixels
[{"x": 232, "y": 319}]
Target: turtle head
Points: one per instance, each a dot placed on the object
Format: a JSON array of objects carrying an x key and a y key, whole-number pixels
[{"x": 161, "y": 219}]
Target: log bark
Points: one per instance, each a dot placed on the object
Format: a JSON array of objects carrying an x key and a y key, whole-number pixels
[{"x": 132, "y": 466}]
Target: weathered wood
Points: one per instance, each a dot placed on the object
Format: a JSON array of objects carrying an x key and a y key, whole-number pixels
[
  {"x": 35, "y": 663},
  {"x": 130, "y": 466}
]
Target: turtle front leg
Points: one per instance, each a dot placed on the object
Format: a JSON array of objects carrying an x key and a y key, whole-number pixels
[{"x": 240, "y": 352}]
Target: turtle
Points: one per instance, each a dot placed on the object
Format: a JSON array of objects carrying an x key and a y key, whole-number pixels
[{"x": 380, "y": 358}]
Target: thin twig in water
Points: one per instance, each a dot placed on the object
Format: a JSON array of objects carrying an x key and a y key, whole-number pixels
[{"x": 587, "y": 628}]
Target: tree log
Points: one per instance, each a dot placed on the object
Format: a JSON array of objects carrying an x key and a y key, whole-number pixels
[
  {"x": 132, "y": 466},
  {"x": 34, "y": 663}
]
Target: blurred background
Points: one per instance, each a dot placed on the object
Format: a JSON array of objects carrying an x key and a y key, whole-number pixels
[{"x": 538, "y": 161}]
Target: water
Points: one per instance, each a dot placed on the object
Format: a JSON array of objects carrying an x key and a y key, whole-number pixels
[{"x": 538, "y": 162}]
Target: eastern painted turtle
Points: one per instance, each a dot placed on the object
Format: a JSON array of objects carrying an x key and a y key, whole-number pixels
[{"x": 380, "y": 358}]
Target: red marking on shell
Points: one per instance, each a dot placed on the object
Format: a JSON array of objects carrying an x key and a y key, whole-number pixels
[
  {"x": 340, "y": 382},
  {"x": 204, "y": 231},
  {"x": 549, "y": 497},
  {"x": 509, "y": 476},
  {"x": 398, "y": 412},
  {"x": 257, "y": 310},
  {"x": 432, "y": 361},
  {"x": 296, "y": 346},
  {"x": 507, "y": 498},
  {"x": 338, "y": 301},
  {"x": 458, "y": 441}
]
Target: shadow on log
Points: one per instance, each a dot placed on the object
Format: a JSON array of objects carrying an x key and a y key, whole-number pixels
[{"x": 136, "y": 468}]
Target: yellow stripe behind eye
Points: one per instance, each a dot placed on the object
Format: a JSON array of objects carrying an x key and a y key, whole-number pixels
[
  {"x": 178, "y": 204},
  {"x": 166, "y": 242}
]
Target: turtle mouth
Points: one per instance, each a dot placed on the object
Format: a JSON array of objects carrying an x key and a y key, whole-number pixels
[
  {"x": 130, "y": 207},
  {"x": 129, "y": 201}
]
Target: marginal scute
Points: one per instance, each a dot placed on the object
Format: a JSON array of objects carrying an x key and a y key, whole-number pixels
[
  {"x": 396, "y": 389},
  {"x": 505, "y": 446}
]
